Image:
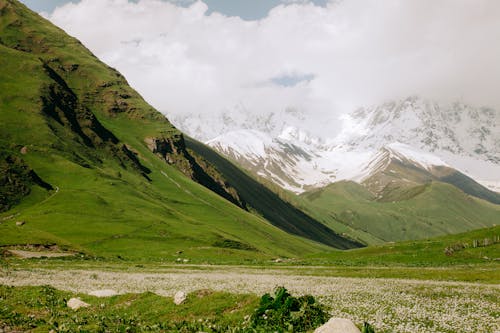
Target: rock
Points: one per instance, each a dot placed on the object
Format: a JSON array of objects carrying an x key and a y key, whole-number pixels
[
  {"x": 103, "y": 293},
  {"x": 179, "y": 297},
  {"x": 24, "y": 150},
  {"x": 338, "y": 325},
  {"x": 20, "y": 223},
  {"x": 76, "y": 303}
]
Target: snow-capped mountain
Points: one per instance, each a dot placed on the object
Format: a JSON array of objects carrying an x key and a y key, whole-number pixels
[
  {"x": 414, "y": 131},
  {"x": 456, "y": 129}
]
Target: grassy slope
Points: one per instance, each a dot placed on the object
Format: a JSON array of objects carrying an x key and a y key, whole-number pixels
[
  {"x": 419, "y": 212},
  {"x": 423, "y": 259},
  {"x": 104, "y": 205},
  {"x": 430, "y": 252}
]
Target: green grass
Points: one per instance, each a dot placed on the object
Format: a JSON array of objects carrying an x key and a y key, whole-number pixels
[
  {"x": 424, "y": 253},
  {"x": 73, "y": 115},
  {"x": 422, "y": 259},
  {"x": 418, "y": 212},
  {"x": 41, "y": 309}
]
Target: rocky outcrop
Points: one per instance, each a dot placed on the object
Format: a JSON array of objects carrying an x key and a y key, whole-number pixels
[
  {"x": 76, "y": 303},
  {"x": 67, "y": 116},
  {"x": 173, "y": 150},
  {"x": 179, "y": 297},
  {"x": 16, "y": 180}
]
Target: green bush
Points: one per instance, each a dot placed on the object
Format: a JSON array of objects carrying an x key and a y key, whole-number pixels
[
  {"x": 285, "y": 313},
  {"x": 367, "y": 328}
]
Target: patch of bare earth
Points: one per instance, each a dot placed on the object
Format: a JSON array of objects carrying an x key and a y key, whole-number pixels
[{"x": 38, "y": 254}]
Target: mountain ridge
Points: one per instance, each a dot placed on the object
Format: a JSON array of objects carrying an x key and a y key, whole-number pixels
[{"x": 457, "y": 135}]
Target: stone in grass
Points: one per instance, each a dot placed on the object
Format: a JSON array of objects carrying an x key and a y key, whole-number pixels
[
  {"x": 179, "y": 297},
  {"x": 20, "y": 223},
  {"x": 337, "y": 325},
  {"x": 103, "y": 293},
  {"x": 76, "y": 303}
]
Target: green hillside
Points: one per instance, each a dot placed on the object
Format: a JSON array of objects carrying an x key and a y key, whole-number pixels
[
  {"x": 88, "y": 165},
  {"x": 480, "y": 246},
  {"x": 417, "y": 212}
]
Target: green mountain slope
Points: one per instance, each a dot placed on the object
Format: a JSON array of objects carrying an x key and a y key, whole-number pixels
[
  {"x": 265, "y": 202},
  {"x": 469, "y": 186},
  {"x": 417, "y": 212},
  {"x": 480, "y": 246},
  {"x": 90, "y": 166}
]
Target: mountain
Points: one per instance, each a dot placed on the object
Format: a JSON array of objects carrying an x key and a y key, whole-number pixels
[
  {"x": 466, "y": 138},
  {"x": 268, "y": 204},
  {"x": 397, "y": 167},
  {"x": 403, "y": 170},
  {"x": 403, "y": 213},
  {"x": 278, "y": 148},
  {"x": 89, "y": 166}
]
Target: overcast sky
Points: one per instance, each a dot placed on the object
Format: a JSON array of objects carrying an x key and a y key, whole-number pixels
[{"x": 325, "y": 58}]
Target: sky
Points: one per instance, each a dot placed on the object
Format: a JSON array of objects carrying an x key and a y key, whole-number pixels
[
  {"x": 325, "y": 58},
  {"x": 245, "y": 9}
]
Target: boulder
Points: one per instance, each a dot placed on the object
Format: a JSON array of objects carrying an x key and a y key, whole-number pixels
[
  {"x": 103, "y": 293},
  {"x": 338, "y": 325},
  {"x": 76, "y": 303},
  {"x": 179, "y": 297},
  {"x": 20, "y": 223}
]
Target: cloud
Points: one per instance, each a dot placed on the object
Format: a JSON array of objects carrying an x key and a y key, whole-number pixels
[{"x": 324, "y": 60}]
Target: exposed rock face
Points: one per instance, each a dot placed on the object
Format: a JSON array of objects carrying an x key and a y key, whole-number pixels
[
  {"x": 76, "y": 303},
  {"x": 179, "y": 297},
  {"x": 338, "y": 325},
  {"x": 16, "y": 180},
  {"x": 173, "y": 150},
  {"x": 68, "y": 115}
]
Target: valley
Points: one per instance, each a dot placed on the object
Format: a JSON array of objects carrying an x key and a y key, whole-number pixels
[{"x": 392, "y": 220}]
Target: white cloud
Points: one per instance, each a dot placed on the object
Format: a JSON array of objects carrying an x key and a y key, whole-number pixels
[{"x": 353, "y": 53}]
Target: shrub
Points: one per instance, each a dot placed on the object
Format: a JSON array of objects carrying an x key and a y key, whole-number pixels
[
  {"x": 285, "y": 313},
  {"x": 367, "y": 328}
]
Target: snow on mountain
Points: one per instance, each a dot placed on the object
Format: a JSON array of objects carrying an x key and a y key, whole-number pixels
[
  {"x": 461, "y": 136},
  {"x": 295, "y": 166},
  {"x": 290, "y": 164},
  {"x": 421, "y": 132}
]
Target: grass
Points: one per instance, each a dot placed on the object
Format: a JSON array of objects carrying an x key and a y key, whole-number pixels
[
  {"x": 82, "y": 129},
  {"x": 424, "y": 260},
  {"x": 41, "y": 309},
  {"x": 429, "y": 259},
  {"x": 420, "y": 212},
  {"x": 390, "y": 305}
]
